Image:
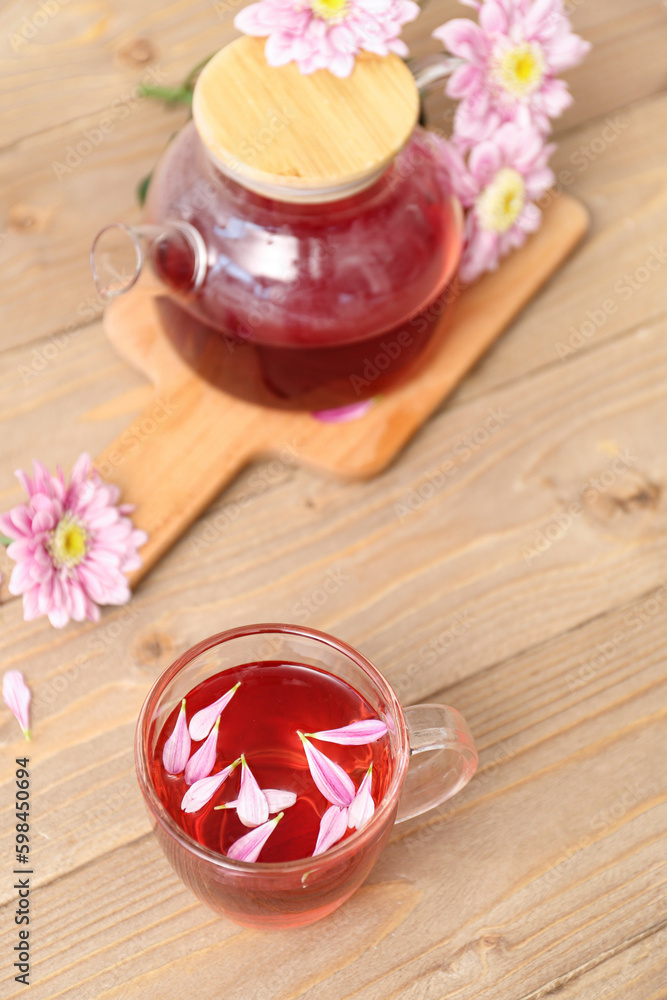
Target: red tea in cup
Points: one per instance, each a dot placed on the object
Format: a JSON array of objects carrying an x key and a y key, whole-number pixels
[{"x": 273, "y": 703}]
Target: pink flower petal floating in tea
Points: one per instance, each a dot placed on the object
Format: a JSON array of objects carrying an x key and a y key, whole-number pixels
[
  {"x": 177, "y": 748},
  {"x": 330, "y": 778},
  {"x": 333, "y": 826},
  {"x": 203, "y": 721},
  {"x": 354, "y": 735},
  {"x": 249, "y": 846},
  {"x": 202, "y": 791},
  {"x": 202, "y": 762},
  {"x": 16, "y": 696},
  {"x": 276, "y": 798},
  {"x": 252, "y": 808},
  {"x": 362, "y": 807}
]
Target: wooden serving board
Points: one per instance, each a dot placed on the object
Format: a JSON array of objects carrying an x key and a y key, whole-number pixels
[{"x": 193, "y": 439}]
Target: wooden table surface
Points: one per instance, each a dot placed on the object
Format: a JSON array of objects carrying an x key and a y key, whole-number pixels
[{"x": 530, "y": 590}]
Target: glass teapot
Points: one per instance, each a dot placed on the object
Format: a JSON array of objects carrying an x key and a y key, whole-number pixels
[{"x": 302, "y": 229}]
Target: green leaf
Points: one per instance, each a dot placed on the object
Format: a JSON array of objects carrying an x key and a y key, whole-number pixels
[
  {"x": 5, "y": 541},
  {"x": 170, "y": 95},
  {"x": 142, "y": 188},
  {"x": 191, "y": 78}
]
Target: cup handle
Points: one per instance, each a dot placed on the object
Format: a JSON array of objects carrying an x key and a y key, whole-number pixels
[
  {"x": 442, "y": 733},
  {"x": 430, "y": 71}
]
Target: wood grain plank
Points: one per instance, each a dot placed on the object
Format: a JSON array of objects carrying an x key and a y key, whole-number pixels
[
  {"x": 428, "y": 528},
  {"x": 452, "y": 909},
  {"x": 632, "y": 971},
  {"x": 86, "y": 59}
]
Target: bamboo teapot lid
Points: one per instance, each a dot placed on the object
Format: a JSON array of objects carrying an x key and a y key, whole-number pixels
[{"x": 303, "y": 138}]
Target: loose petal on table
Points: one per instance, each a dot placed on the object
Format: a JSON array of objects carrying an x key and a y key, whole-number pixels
[
  {"x": 343, "y": 414},
  {"x": 16, "y": 696}
]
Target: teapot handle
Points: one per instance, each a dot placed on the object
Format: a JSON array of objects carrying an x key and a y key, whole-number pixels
[{"x": 429, "y": 71}]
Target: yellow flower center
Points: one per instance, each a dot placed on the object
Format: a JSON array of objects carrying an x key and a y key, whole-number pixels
[
  {"x": 329, "y": 10},
  {"x": 69, "y": 542},
  {"x": 520, "y": 69},
  {"x": 500, "y": 204}
]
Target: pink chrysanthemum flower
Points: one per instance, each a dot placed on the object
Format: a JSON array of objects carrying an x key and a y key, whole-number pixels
[
  {"x": 73, "y": 545},
  {"x": 327, "y": 34},
  {"x": 498, "y": 183},
  {"x": 508, "y": 65}
]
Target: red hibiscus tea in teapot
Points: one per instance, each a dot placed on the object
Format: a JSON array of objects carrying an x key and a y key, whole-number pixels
[
  {"x": 271, "y": 761},
  {"x": 303, "y": 230},
  {"x": 351, "y": 292}
]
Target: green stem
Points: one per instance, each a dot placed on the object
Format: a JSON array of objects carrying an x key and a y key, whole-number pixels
[
  {"x": 5, "y": 541},
  {"x": 171, "y": 95},
  {"x": 191, "y": 78}
]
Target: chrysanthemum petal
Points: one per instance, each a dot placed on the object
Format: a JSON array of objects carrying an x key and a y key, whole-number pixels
[
  {"x": 251, "y": 21},
  {"x": 336, "y": 786},
  {"x": 203, "y": 721},
  {"x": 333, "y": 826},
  {"x": 492, "y": 18},
  {"x": 278, "y": 799},
  {"x": 249, "y": 847},
  {"x": 203, "y": 790},
  {"x": 202, "y": 762},
  {"x": 354, "y": 735},
  {"x": 252, "y": 807},
  {"x": 58, "y": 617},
  {"x": 176, "y": 750},
  {"x": 16, "y": 696},
  {"x": 462, "y": 38},
  {"x": 31, "y": 604},
  {"x": 21, "y": 579},
  {"x": 363, "y": 806}
]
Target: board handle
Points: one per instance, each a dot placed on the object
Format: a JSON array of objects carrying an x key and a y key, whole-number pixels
[{"x": 173, "y": 461}]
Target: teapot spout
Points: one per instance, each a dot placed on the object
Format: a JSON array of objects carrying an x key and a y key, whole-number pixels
[{"x": 175, "y": 251}]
